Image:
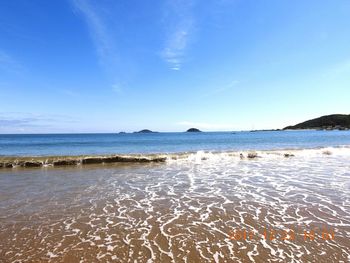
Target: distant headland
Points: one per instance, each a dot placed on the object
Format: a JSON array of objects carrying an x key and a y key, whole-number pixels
[
  {"x": 193, "y": 130},
  {"x": 328, "y": 122}
]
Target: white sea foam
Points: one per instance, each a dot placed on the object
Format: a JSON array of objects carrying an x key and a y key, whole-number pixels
[{"x": 216, "y": 156}]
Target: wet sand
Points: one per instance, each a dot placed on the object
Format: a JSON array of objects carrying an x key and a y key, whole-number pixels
[{"x": 205, "y": 208}]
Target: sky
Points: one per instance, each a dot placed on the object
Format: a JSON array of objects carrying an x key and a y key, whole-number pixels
[{"x": 70, "y": 66}]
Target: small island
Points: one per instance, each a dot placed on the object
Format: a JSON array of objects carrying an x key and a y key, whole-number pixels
[
  {"x": 145, "y": 131},
  {"x": 328, "y": 122},
  {"x": 193, "y": 130}
]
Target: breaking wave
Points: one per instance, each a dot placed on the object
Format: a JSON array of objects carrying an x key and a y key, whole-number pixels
[{"x": 197, "y": 157}]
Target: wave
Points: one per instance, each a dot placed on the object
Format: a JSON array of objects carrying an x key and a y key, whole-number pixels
[{"x": 195, "y": 157}]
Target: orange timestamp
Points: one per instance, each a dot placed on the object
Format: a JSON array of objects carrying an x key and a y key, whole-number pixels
[{"x": 282, "y": 234}]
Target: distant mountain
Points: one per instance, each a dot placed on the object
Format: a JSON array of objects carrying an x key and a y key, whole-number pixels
[
  {"x": 145, "y": 131},
  {"x": 328, "y": 122},
  {"x": 193, "y": 130}
]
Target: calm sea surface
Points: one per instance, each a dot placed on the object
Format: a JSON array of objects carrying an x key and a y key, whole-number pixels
[{"x": 76, "y": 144}]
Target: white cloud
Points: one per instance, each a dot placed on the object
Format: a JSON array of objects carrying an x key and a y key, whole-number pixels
[
  {"x": 180, "y": 21},
  {"x": 98, "y": 30}
]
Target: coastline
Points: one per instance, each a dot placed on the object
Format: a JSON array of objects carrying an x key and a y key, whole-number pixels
[{"x": 72, "y": 160}]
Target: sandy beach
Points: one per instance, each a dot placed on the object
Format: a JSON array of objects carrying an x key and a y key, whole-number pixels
[{"x": 203, "y": 208}]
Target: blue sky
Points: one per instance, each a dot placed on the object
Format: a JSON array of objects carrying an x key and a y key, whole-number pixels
[{"x": 108, "y": 66}]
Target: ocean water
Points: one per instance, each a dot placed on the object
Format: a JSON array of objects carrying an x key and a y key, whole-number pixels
[
  {"x": 208, "y": 205},
  {"x": 78, "y": 144}
]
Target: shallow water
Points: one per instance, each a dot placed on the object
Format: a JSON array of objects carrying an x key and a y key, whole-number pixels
[{"x": 190, "y": 210}]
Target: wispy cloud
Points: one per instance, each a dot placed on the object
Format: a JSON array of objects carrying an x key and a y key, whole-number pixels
[
  {"x": 22, "y": 122},
  {"x": 180, "y": 21},
  {"x": 102, "y": 27},
  {"x": 69, "y": 93},
  {"x": 17, "y": 122},
  {"x": 217, "y": 90},
  {"x": 207, "y": 126},
  {"x": 98, "y": 29}
]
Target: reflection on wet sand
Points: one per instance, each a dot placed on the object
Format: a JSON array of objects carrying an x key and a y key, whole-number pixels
[{"x": 180, "y": 211}]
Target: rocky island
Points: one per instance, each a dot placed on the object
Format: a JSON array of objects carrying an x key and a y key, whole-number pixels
[
  {"x": 328, "y": 122},
  {"x": 145, "y": 131},
  {"x": 193, "y": 130}
]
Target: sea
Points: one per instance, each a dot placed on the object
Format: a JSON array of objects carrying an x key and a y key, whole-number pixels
[
  {"x": 208, "y": 202},
  {"x": 166, "y": 142}
]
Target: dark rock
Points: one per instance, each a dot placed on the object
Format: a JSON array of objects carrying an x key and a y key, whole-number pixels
[
  {"x": 252, "y": 155},
  {"x": 7, "y": 165},
  {"x": 113, "y": 159},
  {"x": 193, "y": 130},
  {"x": 119, "y": 159},
  {"x": 65, "y": 162},
  {"x": 159, "y": 159},
  {"x": 92, "y": 160},
  {"x": 137, "y": 160},
  {"x": 288, "y": 155},
  {"x": 32, "y": 164},
  {"x": 78, "y": 160}
]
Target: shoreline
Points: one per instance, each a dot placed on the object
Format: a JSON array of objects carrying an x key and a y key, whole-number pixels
[{"x": 77, "y": 160}]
